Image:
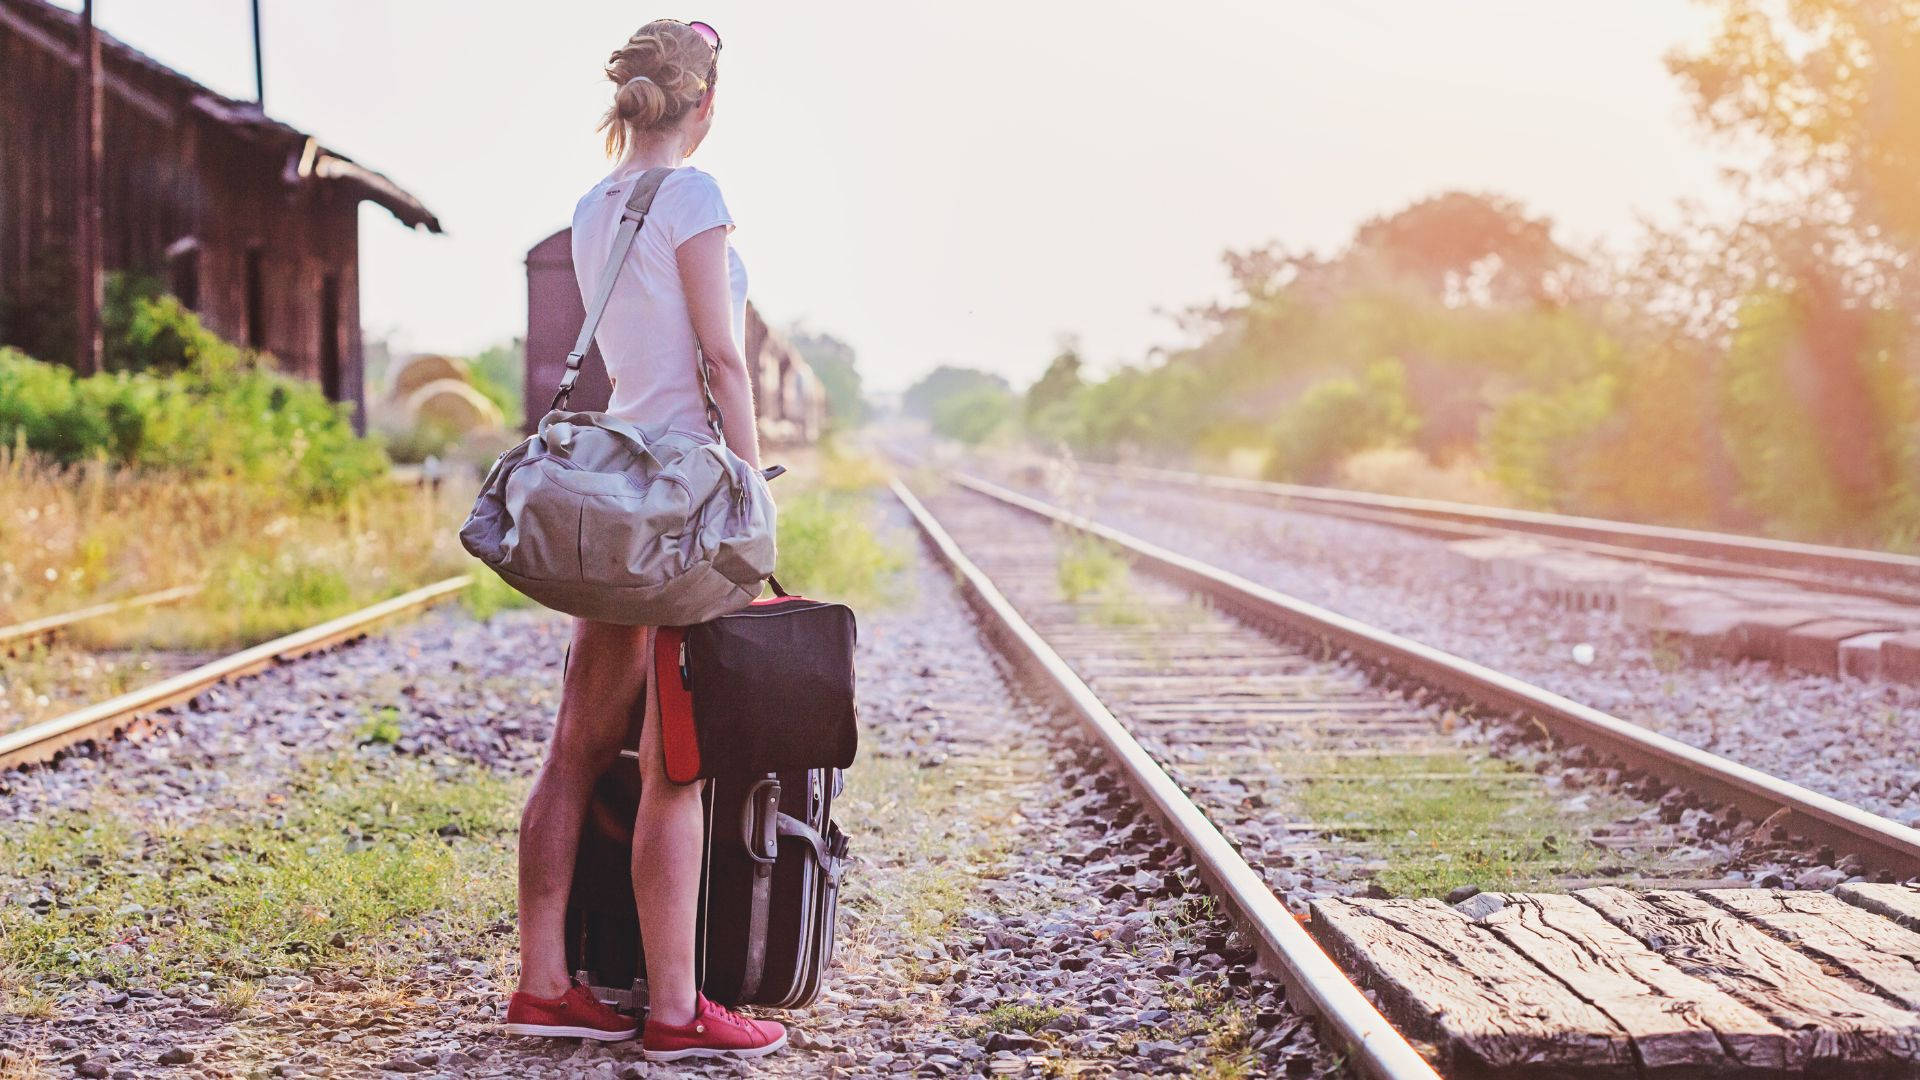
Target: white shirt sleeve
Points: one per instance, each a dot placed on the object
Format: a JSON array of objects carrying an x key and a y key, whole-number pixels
[{"x": 696, "y": 206}]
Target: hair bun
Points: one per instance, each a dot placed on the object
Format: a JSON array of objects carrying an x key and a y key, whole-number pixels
[
  {"x": 640, "y": 101},
  {"x": 661, "y": 72}
]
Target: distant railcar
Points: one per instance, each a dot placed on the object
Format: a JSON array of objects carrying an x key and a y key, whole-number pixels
[{"x": 791, "y": 401}]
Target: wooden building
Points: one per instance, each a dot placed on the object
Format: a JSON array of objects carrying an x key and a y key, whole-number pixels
[
  {"x": 790, "y": 399},
  {"x": 251, "y": 223}
]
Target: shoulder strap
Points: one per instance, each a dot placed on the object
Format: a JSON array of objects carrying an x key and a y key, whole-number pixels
[{"x": 638, "y": 203}]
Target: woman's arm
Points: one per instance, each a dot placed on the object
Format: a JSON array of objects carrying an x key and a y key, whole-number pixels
[{"x": 703, "y": 277}]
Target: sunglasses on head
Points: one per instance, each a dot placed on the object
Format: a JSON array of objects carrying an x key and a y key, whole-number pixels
[
  {"x": 707, "y": 34},
  {"x": 712, "y": 37}
]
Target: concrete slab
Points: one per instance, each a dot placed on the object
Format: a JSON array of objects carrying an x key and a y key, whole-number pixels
[
  {"x": 1900, "y": 657},
  {"x": 1815, "y": 647},
  {"x": 1763, "y": 632},
  {"x": 1860, "y": 657},
  {"x": 1705, "y": 630}
]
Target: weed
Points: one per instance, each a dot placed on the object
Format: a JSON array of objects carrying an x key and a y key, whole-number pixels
[
  {"x": 382, "y": 728},
  {"x": 1090, "y": 568},
  {"x": 271, "y": 561},
  {"x": 1016, "y": 1017},
  {"x": 349, "y": 860},
  {"x": 829, "y": 549},
  {"x": 1228, "y": 1054},
  {"x": 21, "y": 1066},
  {"x": 28, "y": 1004},
  {"x": 1449, "y": 819},
  {"x": 489, "y": 595},
  {"x": 1666, "y": 654},
  {"x": 237, "y": 997}
]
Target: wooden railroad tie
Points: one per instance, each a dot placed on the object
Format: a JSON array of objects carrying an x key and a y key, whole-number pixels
[{"x": 1608, "y": 982}]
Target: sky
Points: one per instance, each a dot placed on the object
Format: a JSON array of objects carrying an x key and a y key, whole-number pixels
[{"x": 965, "y": 184}]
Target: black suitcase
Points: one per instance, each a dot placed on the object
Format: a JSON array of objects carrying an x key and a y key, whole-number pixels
[{"x": 769, "y": 896}]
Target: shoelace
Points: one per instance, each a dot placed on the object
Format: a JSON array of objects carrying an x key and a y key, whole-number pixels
[
  {"x": 601, "y": 1011},
  {"x": 728, "y": 1015}
]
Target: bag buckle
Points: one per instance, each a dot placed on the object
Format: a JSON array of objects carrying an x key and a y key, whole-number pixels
[{"x": 760, "y": 821}]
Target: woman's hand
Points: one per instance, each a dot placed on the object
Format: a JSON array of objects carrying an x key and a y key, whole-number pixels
[{"x": 703, "y": 277}]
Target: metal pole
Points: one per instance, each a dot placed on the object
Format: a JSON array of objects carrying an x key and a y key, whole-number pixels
[
  {"x": 259, "y": 68},
  {"x": 89, "y": 287}
]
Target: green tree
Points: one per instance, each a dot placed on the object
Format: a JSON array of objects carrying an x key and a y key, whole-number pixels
[
  {"x": 948, "y": 381},
  {"x": 1826, "y": 316},
  {"x": 1465, "y": 247},
  {"x": 1830, "y": 87},
  {"x": 500, "y": 373},
  {"x": 833, "y": 361},
  {"x": 972, "y": 416},
  {"x": 1800, "y": 475},
  {"x": 1060, "y": 381},
  {"x": 1339, "y": 417}
]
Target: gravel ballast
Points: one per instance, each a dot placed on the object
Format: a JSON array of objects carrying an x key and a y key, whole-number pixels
[
  {"x": 1846, "y": 738},
  {"x": 1008, "y": 910}
]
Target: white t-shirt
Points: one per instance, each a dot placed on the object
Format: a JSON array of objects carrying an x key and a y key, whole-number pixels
[{"x": 646, "y": 336}]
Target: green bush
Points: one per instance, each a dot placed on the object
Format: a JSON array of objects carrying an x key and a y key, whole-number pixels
[
  {"x": 1339, "y": 417},
  {"x": 828, "y": 549},
  {"x": 946, "y": 382},
  {"x": 972, "y": 416},
  {"x": 1841, "y": 465},
  {"x": 219, "y": 411},
  {"x": 1537, "y": 440}
]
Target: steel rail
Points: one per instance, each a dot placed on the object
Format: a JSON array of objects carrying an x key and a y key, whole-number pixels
[
  {"x": 1881, "y": 844},
  {"x": 39, "y": 742},
  {"x": 34, "y": 628},
  {"x": 1314, "y": 982},
  {"x": 1693, "y": 550}
]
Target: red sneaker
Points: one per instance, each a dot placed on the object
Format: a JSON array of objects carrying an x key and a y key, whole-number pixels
[
  {"x": 576, "y": 1014},
  {"x": 714, "y": 1031}
]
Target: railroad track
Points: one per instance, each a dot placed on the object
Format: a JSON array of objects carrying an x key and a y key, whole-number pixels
[
  {"x": 35, "y": 629},
  {"x": 1220, "y": 712},
  {"x": 40, "y": 742},
  {"x": 1850, "y": 571}
]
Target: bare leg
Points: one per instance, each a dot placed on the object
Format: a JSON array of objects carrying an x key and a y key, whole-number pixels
[
  {"x": 668, "y": 833},
  {"x": 606, "y": 673}
]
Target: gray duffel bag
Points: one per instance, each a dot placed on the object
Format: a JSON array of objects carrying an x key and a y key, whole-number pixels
[{"x": 622, "y": 523}]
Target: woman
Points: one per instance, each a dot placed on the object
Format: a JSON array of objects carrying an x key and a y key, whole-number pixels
[{"x": 682, "y": 291}]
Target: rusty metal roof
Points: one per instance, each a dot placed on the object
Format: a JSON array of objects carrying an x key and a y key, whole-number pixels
[{"x": 57, "y": 30}]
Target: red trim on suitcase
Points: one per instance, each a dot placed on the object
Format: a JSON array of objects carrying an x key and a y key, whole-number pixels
[{"x": 677, "y": 736}]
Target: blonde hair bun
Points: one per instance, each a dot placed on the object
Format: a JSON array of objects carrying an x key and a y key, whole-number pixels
[
  {"x": 640, "y": 102},
  {"x": 658, "y": 75}
]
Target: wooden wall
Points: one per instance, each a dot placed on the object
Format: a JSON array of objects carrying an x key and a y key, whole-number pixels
[{"x": 175, "y": 178}]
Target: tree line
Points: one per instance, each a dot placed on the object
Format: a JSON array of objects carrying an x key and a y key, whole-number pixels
[{"x": 1759, "y": 374}]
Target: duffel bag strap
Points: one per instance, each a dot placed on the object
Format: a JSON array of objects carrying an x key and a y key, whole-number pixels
[{"x": 635, "y": 215}]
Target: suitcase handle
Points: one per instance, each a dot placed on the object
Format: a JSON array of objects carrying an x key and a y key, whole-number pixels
[
  {"x": 760, "y": 819},
  {"x": 823, "y": 852}
]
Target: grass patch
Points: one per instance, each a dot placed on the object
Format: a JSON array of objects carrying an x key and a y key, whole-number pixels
[
  {"x": 931, "y": 855},
  {"x": 1089, "y": 568},
  {"x": 1445, "y": 820},
  {"x": 489, "y": 595},
  {"x": 1016, "y": 1017},
  {"x": 1092, "y": 573},
  {"x": 271, "y": 561},
  {"x": 382, "y": 727},
  {"x": 21, "y": 1066},
  {"x": 345, "y": 860},
  {"x": 1223, "y": 1028},
  {"x": 829, "y": 548}
]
